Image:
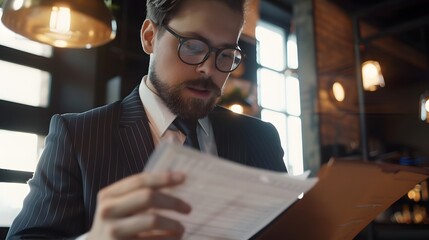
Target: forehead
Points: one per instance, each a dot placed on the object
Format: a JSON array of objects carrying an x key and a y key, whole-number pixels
[{"x": 210, "y": 19}]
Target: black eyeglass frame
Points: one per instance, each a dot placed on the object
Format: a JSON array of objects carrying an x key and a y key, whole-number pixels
[{"x": 217, "y": 51}]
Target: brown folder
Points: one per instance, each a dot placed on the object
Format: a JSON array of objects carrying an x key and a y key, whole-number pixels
[{"x": 348, "y": 196}]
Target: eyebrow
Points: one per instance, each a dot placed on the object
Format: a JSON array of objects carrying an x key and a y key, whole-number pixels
[{"x": 199, "y": 37}]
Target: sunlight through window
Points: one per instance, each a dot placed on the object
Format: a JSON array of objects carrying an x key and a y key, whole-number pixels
[
  {"x": 272, "y": 88},
  {"x": 19, "y": 150},
  {"x": 295, "y": 144},
  {"x": 12, "y": 204},
  {"x": 293, "y": 99},
  {"x": 271, "y": 47},
  {"x": 24, "y": 85},
  {"x": 292, "y": 52},
  {"x": 279, "y": 91}
]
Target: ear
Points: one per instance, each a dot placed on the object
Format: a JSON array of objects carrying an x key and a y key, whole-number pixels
[{"x": 148, "y": 35}]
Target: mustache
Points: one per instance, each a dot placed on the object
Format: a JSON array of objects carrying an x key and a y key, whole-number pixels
[{"x": 206, "y": 83}]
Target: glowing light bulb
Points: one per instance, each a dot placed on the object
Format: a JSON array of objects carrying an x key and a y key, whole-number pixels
[
  {"x": 338, "y": 91},
  {"x": 18, "y": 4},
  {"x": 371, "y": 75},
  {"x": 237, "y": 108},
  {"x": 60, "y": 20}
]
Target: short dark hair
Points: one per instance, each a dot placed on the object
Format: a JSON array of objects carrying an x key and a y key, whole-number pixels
[{"x": 162, "y": 11}]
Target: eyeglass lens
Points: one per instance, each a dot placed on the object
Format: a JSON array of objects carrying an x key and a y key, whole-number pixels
[{"x": 194, "y": 51}]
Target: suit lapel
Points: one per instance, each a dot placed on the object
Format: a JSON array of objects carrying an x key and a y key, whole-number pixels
[{"x": 135, "y": 138}]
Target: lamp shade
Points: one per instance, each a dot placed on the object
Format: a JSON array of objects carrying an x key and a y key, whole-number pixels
[{"x": 61, "y": 23}]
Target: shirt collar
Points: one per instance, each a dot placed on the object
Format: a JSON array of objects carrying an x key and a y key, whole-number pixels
[{"x": 158, "y": 113}]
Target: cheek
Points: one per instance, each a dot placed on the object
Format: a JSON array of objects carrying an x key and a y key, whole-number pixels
[
  {"x": 165, "y": 55},
  {"x": 169, "y": 64},
  {"x": 176, "y": 72}
]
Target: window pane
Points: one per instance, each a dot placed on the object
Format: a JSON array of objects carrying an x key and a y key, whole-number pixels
[
  {"x": 12, "y": 204},
  {"x": 271, "y": 90},
  {"x": 271, "y": 46},
  {"x": 279, "y": 121},
  {"x": 293, "y": 101},
  {"x": 19, "y": 150},
  {"x": 13, "y": 40},
  {"x": 292, "y": 52},
  {"x": 24, "y": 85},
  {"x": 295, "y": 160}
]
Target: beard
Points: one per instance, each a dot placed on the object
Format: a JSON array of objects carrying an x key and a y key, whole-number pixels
[{"x": 186, "y": 107}]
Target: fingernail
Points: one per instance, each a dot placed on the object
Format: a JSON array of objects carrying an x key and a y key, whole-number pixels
[{"x": 186, "y": 208}]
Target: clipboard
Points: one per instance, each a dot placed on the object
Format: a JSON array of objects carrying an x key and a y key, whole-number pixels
[{"x": 347, "y": 197}]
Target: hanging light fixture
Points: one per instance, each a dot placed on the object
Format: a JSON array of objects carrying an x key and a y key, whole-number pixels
[
  {"x": 61, "y": 23},
  {"x": 371, "y": 75},
  {"x": 424, "y": 107}
]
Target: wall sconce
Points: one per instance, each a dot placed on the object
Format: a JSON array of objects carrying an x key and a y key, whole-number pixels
[
  {"x": 61, "y": 23},
  {"x": 371, "y": 76},
  {"x": 424, "y": 107},
  {"x": 338, "y": 91}
]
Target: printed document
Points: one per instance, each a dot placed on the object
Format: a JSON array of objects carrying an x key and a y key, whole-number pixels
[{"x": 229, "y": 200}]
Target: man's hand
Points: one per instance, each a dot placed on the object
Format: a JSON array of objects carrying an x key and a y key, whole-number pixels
[{"x": 127, "y": 208}]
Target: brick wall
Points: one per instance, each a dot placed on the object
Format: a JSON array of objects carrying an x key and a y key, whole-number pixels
[
  {"x": 339, "y": 121},
  {"x": 392, "y": 112}
]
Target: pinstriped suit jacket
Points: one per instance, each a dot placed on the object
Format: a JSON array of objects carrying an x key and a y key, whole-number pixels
[{"x": 88, "y": 151}]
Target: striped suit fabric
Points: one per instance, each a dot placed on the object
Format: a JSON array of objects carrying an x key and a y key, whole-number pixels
[{"x": 88, "y": 151}]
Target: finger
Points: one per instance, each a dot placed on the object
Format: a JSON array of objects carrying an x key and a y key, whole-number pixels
[
  {"x": 148, "y": 226},
  {"x": 142, "y": 180},
  {"x": 142, "y": 200}
]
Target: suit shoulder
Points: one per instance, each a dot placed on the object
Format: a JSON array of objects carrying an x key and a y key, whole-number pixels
[
  {"x": 89, "y": 121},
  {"x": 111, "y": 110},
  {"x": 230, "y": 117}
]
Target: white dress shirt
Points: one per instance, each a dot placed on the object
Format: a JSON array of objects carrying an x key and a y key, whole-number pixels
[{"x": 161, "y": 119}]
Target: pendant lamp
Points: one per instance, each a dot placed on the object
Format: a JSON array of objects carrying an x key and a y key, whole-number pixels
[{"x": 61, "y": 23}]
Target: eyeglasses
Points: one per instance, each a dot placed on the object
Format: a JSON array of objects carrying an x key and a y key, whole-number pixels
[{"x": 194, "y": 51}]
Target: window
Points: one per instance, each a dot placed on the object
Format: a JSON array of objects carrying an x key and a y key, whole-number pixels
[
  {"x": 12, "y": 204},
  {"x": 25, "y": 81},
  {"x": 20, "y": 150},
  {"x": 19, "y": 83},
  {"x": 24, "y": 85},
  {"x": 278, "y": 90}
]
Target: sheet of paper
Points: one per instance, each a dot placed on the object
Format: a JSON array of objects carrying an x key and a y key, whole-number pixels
[{"x": 229, "y": 200}]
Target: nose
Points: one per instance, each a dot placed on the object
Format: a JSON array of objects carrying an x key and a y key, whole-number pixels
[{"x": 208, "y": 67}]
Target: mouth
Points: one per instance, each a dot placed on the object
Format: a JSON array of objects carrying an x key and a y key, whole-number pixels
[{"x": 199, "y": 92}]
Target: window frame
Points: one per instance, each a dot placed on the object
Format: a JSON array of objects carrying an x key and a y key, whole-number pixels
[{"x": 295, "y": 166}]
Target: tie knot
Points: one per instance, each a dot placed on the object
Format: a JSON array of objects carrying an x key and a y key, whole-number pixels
[{"x": 187, "y": 127}]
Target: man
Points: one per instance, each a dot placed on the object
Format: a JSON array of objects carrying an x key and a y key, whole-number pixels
[{"x": 90, "y": 181}]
